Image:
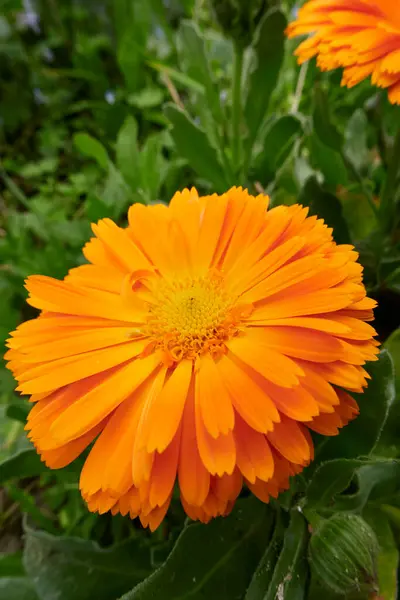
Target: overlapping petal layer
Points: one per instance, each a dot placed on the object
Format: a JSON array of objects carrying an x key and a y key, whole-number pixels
[
  {"x": 363, "y": 36},
  {"x": 197, "y": 348}
]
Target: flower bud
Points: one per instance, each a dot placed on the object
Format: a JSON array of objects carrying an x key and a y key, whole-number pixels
[
  {"x": 342, "y": 554},
  {"x": 239, "y": 19}
]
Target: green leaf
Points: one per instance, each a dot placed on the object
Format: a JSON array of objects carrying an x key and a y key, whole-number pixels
[
  {"x": 66, "y": 568},
  {"x": 177, "y": 76},
  {"x": 326, "y": 206},
  {"x": 132, "y": 21},
  {"x": 388, "y": 558},
  {"x": 334, "y": 476},
  {"x": 378, "y": 482},
  {"x": 291, "y": 571},
  {"x": 388, "y": 444},
  {"x": 269, "y": 51},
  {"x": 356, "y": 147},
  {"x": 359, "y": 216},
  {"x": 263, "y": 574},
  {"x": 393, "y": 281},
  {"x": 277, "y": 145},
  {"x": 116, "y": 193},
  {"x": 25, "y": 463},
  {"x": 127, "y": 153},
  {"x": 393, "y": 346},
  {"x": 389, "y": 191},
  {"x": 195, "y": 64},
  {"x": 147, "y": 98},
  {"x": 360, "y": 437},
  {"x": 330, "y": 479},
  {"x": 89, "y": 146},
  {"x": 39, "y": 168},
  {"x": 17, "y": 588},
  {"x": 213, "y": 561},
  {"x": 329, "y": 162},
  {"x": 324, "y": 128},
  {"x": 193, "y": 144},
  {"x": 153, "y": 166}
]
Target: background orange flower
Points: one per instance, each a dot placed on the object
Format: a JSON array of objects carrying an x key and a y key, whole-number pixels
[{"x": 362, "y": 36}]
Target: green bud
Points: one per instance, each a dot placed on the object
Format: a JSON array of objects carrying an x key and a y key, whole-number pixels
[
  {"x": 239, "y": 18},
  {"x": 343, "y": 552}
]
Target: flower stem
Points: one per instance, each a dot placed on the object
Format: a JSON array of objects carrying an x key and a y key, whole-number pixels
[
  {"x": 237, "y": 108},
  {"x": 387, "y": 205}
]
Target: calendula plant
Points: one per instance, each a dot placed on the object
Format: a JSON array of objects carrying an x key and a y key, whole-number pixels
[{"x": 206, "y": 396}]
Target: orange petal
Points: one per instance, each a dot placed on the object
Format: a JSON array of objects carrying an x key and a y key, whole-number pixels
[
  {"x": 194, "y": 479},
  {"x": 213, "y": 398},
  {"x": 270, "y": 364},
  {"x": 91, "y": 408},
  {"x": 163, "y": 473},
  {"x": 165, "y": 412},
  {"x": 217, "y": 454},
  {"x": 254, "y": 457},
  {"x": 289, "y": 439},
  {"x": 250, "y": 401}
]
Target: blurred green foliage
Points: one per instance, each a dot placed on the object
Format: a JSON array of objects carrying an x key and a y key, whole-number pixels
[{"x": 106, "y": 103}]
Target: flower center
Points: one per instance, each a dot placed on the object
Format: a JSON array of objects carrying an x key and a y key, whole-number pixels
[{"x": 192, "y": 316}]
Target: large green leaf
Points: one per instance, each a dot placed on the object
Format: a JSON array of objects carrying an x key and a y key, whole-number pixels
[
  {"x": 25, "y": 463},
  {"x": 195, "y": 63},
  {"x": 326, "y": 206},
  {"x": 360, "y": 437},
  {"x": 14, "y": 584},
  {"x": 269, "y": 51},
  {"x": 291, "y": 571},
  {"x": 193, "y": 144},
  {"x": 214, "y": 561},
  {"x": 265, "y": 569},
  {"x": 277, "y": 145},
  {"x": 66, "y": 568}
]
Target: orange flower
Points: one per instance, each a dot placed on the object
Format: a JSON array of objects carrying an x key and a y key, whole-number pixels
[
  {"x": 363, "y": 36},
  {"x": 198, "y": 347}
]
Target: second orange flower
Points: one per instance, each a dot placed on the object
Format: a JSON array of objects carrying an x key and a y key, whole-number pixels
[{"x": 362, "y": 36}]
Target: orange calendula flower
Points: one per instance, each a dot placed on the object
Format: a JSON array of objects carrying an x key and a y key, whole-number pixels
[
  {"x": 198, "y": 347},
  {"x": 363, "y": 36}
]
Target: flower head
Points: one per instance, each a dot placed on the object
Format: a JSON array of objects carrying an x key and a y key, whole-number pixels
[
  {"x": 362, "y": 36},
  {"x": 198, "y": 347}
]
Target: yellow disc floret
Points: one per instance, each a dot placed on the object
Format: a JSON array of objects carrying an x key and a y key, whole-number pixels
[{"x": 191, "y": 316}]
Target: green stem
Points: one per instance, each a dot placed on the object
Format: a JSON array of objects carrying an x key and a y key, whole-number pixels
[
  {"x": 237, "y": 108},
  {"x": 387, "y": 205}
]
